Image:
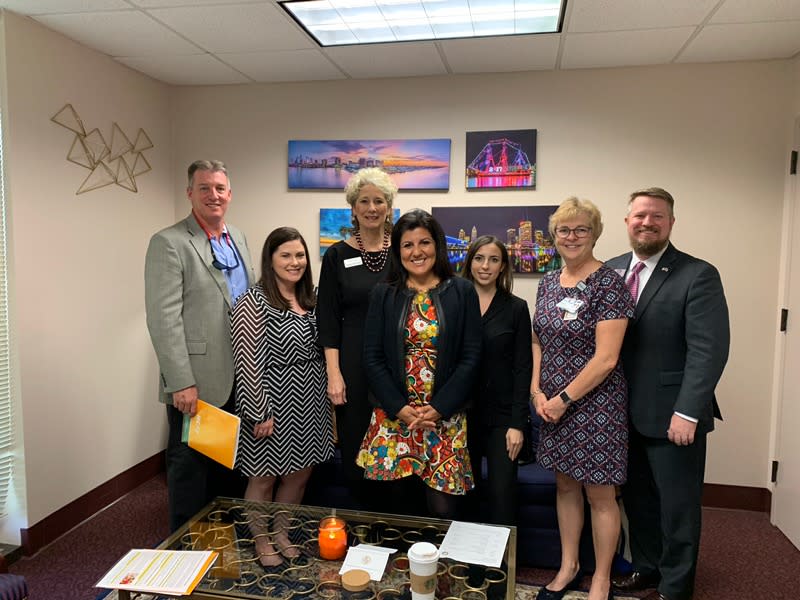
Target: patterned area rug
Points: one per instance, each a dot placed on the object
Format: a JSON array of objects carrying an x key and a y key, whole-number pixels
[
  {"x": 524, "y": 592},
  {"x": 528, "y": 592}
]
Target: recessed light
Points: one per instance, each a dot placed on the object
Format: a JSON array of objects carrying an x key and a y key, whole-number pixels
[{"x": 348, "y": 22}]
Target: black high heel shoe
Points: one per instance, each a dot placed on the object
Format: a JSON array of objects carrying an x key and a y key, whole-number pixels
[{"x": 545, "y": 594}]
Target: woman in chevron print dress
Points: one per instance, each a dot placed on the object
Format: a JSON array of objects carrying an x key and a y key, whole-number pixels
[{"x": 280, "y": 383}]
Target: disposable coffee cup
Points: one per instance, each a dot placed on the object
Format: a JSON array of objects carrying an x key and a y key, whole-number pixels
[{"x": 423, "y": 557}]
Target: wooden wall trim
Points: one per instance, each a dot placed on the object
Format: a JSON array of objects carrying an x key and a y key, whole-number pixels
[
  {"x": 739, "y": 497},
  {"x": 58, "y": 523}
]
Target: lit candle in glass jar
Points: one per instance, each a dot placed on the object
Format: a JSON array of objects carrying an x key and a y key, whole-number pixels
[{"x": 332, "y": 538}]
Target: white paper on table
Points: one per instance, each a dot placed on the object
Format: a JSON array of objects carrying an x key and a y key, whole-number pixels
[
  {"x": 172, "y": 572},
  {"x": 371, "y": 559},
  {"x": 475, "y": 544}
]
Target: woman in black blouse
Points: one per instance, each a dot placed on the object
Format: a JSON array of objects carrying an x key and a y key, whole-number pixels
[
  {"x": 499, "y": 409},
  {"x": 350, "y": 269}
]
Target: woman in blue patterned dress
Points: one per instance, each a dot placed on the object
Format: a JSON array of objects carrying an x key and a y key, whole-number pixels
[
  {"x": 422, "y": 344},
  {"x": 280, "y": 386},
  {"x": 579, "y": 390}
]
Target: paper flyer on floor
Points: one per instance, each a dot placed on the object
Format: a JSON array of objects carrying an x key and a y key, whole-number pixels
[{"x": 175, "y": 572}]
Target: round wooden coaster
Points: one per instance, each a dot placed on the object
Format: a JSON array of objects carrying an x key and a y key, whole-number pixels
[{"x": 355, "y": 580}]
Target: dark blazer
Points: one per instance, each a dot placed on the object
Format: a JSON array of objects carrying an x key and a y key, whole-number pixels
[
  {"x": 458, "y": 345},
  {"x": 683, "y": 307},
  {"x": 503, "y": 389}
]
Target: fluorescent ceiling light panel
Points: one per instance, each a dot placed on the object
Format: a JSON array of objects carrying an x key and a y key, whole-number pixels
[
  {"x": 408, "y": 30},
  {"x": 402, "y": 10},
  {"x": 330, "y": 35},
  {"x": 343, "y": 22}
]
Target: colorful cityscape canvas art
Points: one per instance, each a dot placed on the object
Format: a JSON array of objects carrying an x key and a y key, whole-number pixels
[
  {"x": 335, "y": 225},
  {"x": 501, "y": 159},
  {"x": 522, "y": 229},
  {"x": 328, "y": 164}
]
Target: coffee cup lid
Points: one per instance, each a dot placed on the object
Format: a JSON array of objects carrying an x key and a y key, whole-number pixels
[{"x": 423, "y": 551}]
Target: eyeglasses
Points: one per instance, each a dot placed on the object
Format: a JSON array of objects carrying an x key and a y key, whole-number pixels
[
  {"x": 580, "y": 232},
  {"x": 218, "y": 264}
]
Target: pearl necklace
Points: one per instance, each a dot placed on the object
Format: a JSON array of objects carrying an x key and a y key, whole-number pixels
[{"x": 376, "y": 261}]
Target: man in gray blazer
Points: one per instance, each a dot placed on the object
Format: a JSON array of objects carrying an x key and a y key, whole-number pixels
[
  {"x": 674, "y": 352},
  {"x": 194, "y": 272}
]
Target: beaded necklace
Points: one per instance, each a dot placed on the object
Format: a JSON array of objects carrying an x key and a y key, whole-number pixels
[{"x": 377, "y": 260}]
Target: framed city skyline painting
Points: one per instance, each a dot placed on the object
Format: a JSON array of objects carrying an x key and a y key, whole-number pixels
[
  {"x": 328, "y": 164},
  {"x": 522, "y": 229},
  {"x": 501, "y": 159},
  {"x": 335, "y": 225}
]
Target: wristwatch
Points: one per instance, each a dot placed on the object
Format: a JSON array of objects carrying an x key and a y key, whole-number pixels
[{"x": 565, "y": 397}]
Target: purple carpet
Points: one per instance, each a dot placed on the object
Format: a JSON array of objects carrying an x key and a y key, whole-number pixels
[{"x": 742, "y": 556}]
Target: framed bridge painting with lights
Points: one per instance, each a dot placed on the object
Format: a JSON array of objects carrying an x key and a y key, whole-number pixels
[
  {"x": 328, "y": 164},
  {"x": 501, "y": 159}
]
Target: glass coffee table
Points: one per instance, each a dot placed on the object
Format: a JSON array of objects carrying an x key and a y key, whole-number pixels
[{"x": 232, "y": 528}]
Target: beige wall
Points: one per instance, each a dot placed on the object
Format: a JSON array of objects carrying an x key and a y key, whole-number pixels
[
  {"x": 85, "y": 375},
  {"x": 84, "y": 368},
  {"x": 714, "y": 135}
]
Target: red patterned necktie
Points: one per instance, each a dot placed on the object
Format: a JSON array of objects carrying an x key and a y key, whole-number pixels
[{"x": 633, "y": 281}]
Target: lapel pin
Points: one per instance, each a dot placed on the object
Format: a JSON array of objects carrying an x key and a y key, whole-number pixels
[{"x": 665, "y": 269}]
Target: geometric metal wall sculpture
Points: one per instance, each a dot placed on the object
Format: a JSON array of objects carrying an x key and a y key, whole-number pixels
[{"x": 118, "y": 161}]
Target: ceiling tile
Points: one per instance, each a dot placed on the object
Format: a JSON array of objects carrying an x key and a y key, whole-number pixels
[
  {"x": 237, "y": 28},
  {"x": 173, "y": 3},
  {"x": 196, "y": 69},
  {"x": 744, "y": 41},
  {"x": 388, "y": 60},
  {"x": 744, "y": 11},
  {"x": 501, "y": 54},
  {"x": 41, "y": 7},
  {"x": 121, "y": 33},
  {"x": 613, "y": 49},
  {"x": 617, "y": 15},
  {"x": 286, "y": 65}
]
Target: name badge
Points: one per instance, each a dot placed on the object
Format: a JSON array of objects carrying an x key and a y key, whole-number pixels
[
  {"x": 570, "y": 305},
  {"x": 353, "y": 262},
  {"x": 570, "y": 316}
]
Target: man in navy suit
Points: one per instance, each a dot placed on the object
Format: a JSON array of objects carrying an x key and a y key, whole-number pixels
[{"x": 674, "y": 352}]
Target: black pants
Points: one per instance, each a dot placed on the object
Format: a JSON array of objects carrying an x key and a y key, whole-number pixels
[
  {"x": 499, "y": 488},
  {"x": 663, "y": 503},
  {"x": 193, "y": 480}
]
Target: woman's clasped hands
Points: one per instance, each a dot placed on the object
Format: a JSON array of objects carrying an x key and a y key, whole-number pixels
[
  {"x": 419, "y": 417},
  {"x": 550, "y": 410}
]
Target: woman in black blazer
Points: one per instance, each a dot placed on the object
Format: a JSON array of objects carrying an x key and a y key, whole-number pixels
[
  {"x": 421, "y": 351},
  {"x": 499, "y": 409}
]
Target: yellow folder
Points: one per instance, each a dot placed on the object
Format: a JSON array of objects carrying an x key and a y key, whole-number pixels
[{"x": 213, "y": 432}]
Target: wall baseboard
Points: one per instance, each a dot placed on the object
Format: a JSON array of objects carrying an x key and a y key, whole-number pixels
[
  {"x": 716, "y": 495},
  {"x": 55, "y": 525}
]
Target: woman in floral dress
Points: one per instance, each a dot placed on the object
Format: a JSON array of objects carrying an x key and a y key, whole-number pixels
[{"x": 422, "y": 344}]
